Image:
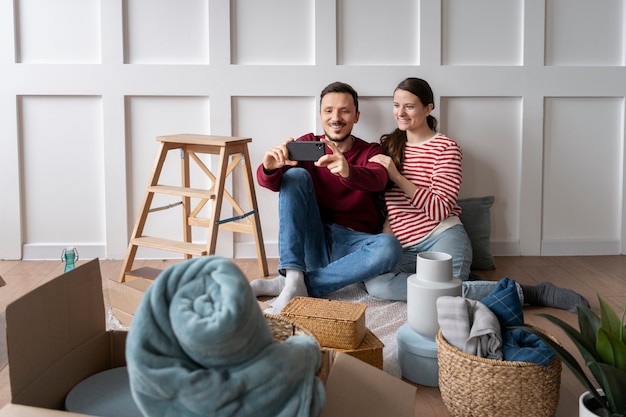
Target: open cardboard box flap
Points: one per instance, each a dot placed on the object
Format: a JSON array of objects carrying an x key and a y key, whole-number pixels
[{"x": 56, "y": 337}]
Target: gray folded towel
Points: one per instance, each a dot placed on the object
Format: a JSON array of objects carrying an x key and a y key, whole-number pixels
[{"x": 470, "y": 326}]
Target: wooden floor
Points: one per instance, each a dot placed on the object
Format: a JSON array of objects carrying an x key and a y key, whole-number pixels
[{"x": 588, "y": 275}]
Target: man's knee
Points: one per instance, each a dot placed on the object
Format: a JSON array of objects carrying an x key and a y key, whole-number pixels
[
  {"x": 389, "y": 249},
  {"x": 296, "y": 174}
]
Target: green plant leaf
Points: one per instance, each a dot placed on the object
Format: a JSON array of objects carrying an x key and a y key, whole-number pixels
[
  {"x": 612, "y": 383},
  {"x": 611, "y": 323},
  {"x": 601, "y": 342},
  {"x": 588, "y": 323},
  {"x": 611, "y": 349},
  {"x": 585, "y": 342},
  {"x": 567, "y": 357}
]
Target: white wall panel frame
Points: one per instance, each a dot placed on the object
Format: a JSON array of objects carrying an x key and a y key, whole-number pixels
[
  {"x": 10, "y": 204},
  {"x": 60, "y": 157},
  {"x": 582, "y": 161}
]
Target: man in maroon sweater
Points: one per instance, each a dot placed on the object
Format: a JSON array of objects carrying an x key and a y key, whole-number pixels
[{"x": 329, "y": 222}]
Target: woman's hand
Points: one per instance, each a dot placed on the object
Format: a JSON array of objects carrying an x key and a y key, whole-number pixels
[
  {"x": 394, "y": 175},
  {"x": 386, "y": 162}
]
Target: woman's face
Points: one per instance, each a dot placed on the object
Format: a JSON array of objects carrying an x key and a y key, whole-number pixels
[{"x": 409, "y": 111}]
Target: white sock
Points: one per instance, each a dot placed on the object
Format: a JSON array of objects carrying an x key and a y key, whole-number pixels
[
  {"x": 268, "y": 286},
  {"x": 294, "y": 287}
]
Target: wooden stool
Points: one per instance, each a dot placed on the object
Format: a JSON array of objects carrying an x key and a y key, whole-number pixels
[{"x": 243, "y": 222}]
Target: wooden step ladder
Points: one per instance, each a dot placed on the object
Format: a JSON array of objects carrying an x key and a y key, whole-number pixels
[{"x": 243, "y": 222}]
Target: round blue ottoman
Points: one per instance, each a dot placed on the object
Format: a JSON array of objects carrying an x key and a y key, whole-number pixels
[
  {"x": 105, "y": 394},
  {"x": 417, "y": 355}
]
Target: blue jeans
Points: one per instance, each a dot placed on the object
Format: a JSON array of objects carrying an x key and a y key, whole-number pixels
[
  {"x": 454, "y": 241},
  {"x": 477, "y": 290},
  {"x": 330, "y": 255}
]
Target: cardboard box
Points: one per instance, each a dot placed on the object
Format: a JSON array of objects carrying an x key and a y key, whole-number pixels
[
  {"x": 124, "y": 297},
  {"x": 16, "y": 410},
  {"x": 56, "y": 337},
  {"x": 2, "y": 282}
]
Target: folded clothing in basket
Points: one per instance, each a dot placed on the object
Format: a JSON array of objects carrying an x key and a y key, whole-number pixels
[
  {"x": 505, "y": 303},
  {"x": 522, "y": 346},
  {"x": 469, "y": 326},
  {"x": 482, "y": 328},
  {"x": 518, "y": 345},
  {"x": 200, "y": 345}
]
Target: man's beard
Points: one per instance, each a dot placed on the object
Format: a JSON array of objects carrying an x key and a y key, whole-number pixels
[{"x": 339, "y": 140}]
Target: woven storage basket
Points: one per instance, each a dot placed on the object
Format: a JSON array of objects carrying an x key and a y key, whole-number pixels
[
  {"x": 283, "y": 328},
  {"x": 335, "y": 324},
  {"x": 370, "y": 350},
  {"x": 478, "y": 387}
]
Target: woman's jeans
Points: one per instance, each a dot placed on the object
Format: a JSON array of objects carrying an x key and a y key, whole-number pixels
[
  {"x": 453, "y": 241},
  {"x": 331, "y": 256}
]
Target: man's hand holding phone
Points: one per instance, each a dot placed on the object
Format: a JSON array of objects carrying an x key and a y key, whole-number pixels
[
  {"x": 336, "y": 163},
  {"x": 277, "y": 157}
]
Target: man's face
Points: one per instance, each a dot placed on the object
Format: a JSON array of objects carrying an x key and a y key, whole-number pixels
[{"x": 338, "y": 115}]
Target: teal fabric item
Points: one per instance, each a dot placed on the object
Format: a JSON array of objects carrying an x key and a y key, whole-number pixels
[
  {"x": 199, "y": 345},
  {"x": 476, "y": 218}
]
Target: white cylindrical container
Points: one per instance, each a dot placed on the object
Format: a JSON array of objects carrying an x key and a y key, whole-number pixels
[{"x": 432, "y": 279}]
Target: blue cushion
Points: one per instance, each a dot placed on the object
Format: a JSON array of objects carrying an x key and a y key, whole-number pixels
[
  {"x": 105, "y": 394},
  {"x": 476, "y": 218},
  {"x": 417, "y": 356}
]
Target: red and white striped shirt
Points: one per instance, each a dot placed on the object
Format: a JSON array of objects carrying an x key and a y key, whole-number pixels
[{"x": 435, "y": 167}]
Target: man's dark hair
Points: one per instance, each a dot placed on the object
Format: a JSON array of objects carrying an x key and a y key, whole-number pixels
[{"x": 339, "y": 87}]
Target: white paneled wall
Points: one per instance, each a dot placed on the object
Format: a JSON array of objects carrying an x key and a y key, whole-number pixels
[
  {"x": 61, "y": 163},
  {"x": 534, "y": 97}
]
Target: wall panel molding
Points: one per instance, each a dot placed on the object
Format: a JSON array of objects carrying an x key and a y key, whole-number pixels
[{"x": 231, "y": 67}]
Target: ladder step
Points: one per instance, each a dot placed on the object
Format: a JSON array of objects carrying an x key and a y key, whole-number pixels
[
  {"x": 237, "y": 227},
  {"x": 170, "y": 245},
  {"x": 182, "y": 191}
]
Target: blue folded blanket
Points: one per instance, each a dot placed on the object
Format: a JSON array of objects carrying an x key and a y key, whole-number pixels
[
  {"x": 517, "y": 345},
  {"x": 505, "y": 304},
  {"x": 199, "y": 345},
  {"x": 521, "y": 346}
]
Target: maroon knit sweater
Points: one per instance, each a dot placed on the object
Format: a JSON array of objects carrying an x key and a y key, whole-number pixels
[{"x": 348, "y": 201}]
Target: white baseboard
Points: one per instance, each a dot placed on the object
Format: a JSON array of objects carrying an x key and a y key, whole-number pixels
[
  {"x": 549, "y": 247},
  {"x": 586, "y": 247},
  {"x": 52, "y": 251}
]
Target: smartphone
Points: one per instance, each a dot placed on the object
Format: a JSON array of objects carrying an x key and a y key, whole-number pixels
[{"x": 306, "y": 150}]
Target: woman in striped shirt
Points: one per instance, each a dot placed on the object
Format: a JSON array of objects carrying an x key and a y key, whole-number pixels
[{"x": 425, "y": 169}]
